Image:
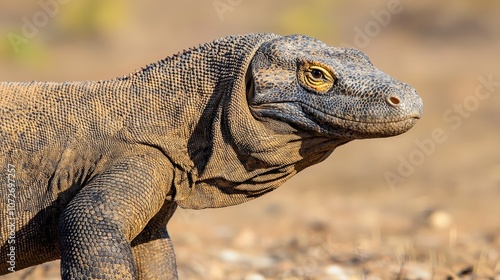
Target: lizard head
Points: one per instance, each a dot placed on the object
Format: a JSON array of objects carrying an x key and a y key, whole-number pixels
[{"x": 327, "y": 91}]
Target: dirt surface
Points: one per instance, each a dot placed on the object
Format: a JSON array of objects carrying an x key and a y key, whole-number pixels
[{"x": 423, "y": 205}]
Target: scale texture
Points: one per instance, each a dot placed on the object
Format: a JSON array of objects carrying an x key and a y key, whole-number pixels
[{"x": 92, "y": 171}]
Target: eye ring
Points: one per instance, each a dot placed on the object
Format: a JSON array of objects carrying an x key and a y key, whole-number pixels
[
  {"x": 316, "y": 77},
  {"x": 318, "y": 74}
]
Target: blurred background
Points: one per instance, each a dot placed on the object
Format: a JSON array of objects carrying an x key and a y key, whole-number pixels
[{"x": 423, "y": 205}]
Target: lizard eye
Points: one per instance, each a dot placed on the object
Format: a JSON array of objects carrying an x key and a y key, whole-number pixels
[
  {"x": 316, "y": 77},
  {"x": 317, "y": 74}
]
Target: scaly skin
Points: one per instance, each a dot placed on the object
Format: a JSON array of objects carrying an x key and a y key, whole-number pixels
[{"x": 94, "y": 170}]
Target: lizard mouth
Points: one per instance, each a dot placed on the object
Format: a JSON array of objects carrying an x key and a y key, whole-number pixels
[
  {"x": 380, "y": 127},
  {"x": 313, "y": 119},
  {"x": 325, "y": 115}
]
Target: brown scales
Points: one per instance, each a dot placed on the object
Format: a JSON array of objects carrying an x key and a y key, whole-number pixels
[{"x": 101, "y": 166}]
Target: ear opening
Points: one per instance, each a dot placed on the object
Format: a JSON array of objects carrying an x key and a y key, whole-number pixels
[{"x": 249, "y": 84}]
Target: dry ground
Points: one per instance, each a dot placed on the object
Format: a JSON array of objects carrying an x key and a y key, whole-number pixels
[{"x": 340, "y": 219}]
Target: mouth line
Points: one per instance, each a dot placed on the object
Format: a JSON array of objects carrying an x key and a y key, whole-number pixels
[{"x": 319, "y": 112}]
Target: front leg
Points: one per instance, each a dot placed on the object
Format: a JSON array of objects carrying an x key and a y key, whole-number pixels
[
  {"x": 98, "y": 225},
  {"x": 152, "y": 248}
]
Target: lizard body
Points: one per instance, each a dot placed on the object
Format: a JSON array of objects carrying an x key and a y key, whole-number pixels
[{"x": 96, "y": 169}]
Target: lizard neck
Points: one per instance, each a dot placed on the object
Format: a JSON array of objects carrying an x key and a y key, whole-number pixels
[
  {"x": 194, "y": 108},
  {"x": 175, "y": 101}
]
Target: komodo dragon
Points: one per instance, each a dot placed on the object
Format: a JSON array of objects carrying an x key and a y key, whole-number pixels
[{"x": 92, "y": 171}]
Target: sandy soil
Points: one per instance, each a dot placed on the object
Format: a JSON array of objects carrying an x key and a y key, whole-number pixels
[{"x": 436, "y": 218}]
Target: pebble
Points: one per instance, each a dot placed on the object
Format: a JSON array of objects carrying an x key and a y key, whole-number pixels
[
  {"x": 337, "y": 272},
  {"x": 440, "y": 219},
  {"x": 246, "y": 238},
  {"x": 233, "y": 256},
  {"x": 254, "y": 276}
]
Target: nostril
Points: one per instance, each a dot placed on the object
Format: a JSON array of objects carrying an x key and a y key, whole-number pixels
[{"x": 393, "y": 101}]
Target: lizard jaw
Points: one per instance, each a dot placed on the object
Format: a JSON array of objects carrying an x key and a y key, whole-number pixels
[
  {"x": 359, "y": 129},
  {"x": 311, "y": 119}
]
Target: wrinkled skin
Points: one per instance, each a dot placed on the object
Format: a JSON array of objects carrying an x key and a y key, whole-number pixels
[{"x": 95, "y": 170}]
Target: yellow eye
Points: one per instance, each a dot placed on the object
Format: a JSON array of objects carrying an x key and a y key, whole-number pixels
[{"x": 316, "y": 77}]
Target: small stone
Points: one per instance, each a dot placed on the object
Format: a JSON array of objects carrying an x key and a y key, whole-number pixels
[
  {"x": 232, "y": 256},
  {"x": 254, "y": 276},
  {"x": 336, "y": 272},
  {"x": 440, "y": 219},
  {"x": 246, "y": 238}
]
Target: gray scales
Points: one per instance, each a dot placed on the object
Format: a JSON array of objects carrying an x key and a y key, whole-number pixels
[{"x": 92, "y": 171}]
